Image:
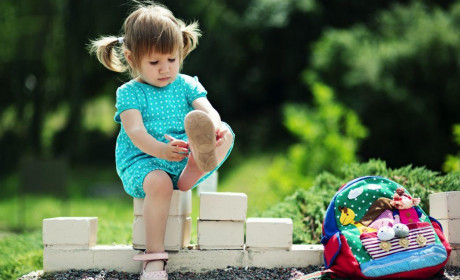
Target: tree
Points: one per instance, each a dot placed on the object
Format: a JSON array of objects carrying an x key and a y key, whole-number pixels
[{"x": 400, "y": 74}]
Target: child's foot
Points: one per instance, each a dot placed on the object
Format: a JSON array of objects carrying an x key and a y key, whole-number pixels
[
  {"x": 154, "y": 266},
  {"x": 190, "y": 175},
  {"x": 154, "y": 270},
  {"x": 202, "y": 139}
]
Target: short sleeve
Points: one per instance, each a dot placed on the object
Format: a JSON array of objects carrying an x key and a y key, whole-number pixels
[
  {"x": 126, "y": 99},
  {"x": 195, "y": 89}
]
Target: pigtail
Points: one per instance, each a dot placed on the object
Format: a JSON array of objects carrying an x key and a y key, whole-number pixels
[
  {"x": 108, "y": 53},
  {"x": 190, "y": 34}
]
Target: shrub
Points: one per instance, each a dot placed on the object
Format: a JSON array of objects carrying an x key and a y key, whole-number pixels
[
  {"x": 307, "y": 207},
  {"x": 452, "y": 162},
  {"x": 329, "y": 135},
  {"x": 400, "y": 74}
]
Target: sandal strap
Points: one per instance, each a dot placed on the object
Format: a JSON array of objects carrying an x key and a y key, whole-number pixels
[{"x": 151, "y": 257}]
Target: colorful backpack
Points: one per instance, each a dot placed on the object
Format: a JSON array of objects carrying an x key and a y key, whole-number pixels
[{"x": 374, "y": 229}]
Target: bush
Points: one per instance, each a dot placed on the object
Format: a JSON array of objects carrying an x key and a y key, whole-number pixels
[
  {"x": 307, "y": 207},
  {"x": 400, "y": 74},
  {"x": 329, "y": 135},
  {"x": 452, "y": 162}
]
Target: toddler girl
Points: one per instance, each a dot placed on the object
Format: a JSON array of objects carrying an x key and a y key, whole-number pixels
[{"x": 170, "y": 137}]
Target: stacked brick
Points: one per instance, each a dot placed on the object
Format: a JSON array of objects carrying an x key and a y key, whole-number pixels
[
  {"x": 221, "y": 221},
  {"x": 70, "y": 243},
  {"x": 178, "y": 227},
  {"x": 445, "y": 207},
  {"x": 269, "y": 233}
]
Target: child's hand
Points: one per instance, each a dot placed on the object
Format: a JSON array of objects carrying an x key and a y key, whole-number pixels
[
  {"x": 175, "y": 150},
  {"x": 220, "y": 135}
]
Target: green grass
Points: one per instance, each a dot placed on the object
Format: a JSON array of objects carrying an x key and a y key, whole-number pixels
[
  {"x": 21, "y": 246},
  {"x": 20, "y": 254},
  {"x": 250, "y": 177}
]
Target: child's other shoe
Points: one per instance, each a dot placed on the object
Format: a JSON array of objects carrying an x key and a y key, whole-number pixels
[{"x": 153, "y": 275}]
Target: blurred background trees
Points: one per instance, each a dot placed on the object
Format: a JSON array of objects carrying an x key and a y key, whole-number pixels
[
  {"x": 314, "y": 90},
  {"x": 395, "y": 64}
]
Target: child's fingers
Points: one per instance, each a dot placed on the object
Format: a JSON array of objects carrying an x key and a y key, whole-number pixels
[
  {"x": 179, "y": 143},
  {"x": 168, "y": 137},
  {"x": 178, "y": 157},
  {"x": 220, "y": 141},
  {"x": 180, "y": 150}
]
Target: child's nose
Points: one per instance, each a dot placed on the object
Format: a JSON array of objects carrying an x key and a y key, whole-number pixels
[{"x": 163, "y": 67}]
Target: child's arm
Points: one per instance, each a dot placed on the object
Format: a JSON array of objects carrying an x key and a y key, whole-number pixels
[
  {"x": 203, "y": 104},
  {"x": 176, "y": 150}
]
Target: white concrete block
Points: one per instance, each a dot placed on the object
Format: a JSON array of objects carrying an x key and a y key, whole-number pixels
[
  {"x": 61, "y": 259},
  {"x": 118, "y": 257},
  {"x": 201, "y": 261},
  {"x": 181, "y": 204},
  {"x": 208, "y": 185},
  {"x": 454, "y": 259},
  {"x": 220, "y": 235},
  {"x": 451, "y": 229},
  {"x": 299, "y": 256},
  {"x": 223, "y": 206},
  {"x": 269, "y": 233},
  {"x": 70, "y": 231},
  {"x": 177, "y": 235},
  {"x": 445, "y": 205}
]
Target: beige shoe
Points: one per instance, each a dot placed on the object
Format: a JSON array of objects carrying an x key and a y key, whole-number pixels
[
  {"x": 153, "y": 275},
  {"x": 202, "y": 139}
]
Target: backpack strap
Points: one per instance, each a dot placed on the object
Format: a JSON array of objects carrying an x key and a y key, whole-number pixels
[{"x": 324, "y": 274}]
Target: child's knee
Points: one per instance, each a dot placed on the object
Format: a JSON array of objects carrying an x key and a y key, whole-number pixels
[
  {"x": 184, "y": 188},
  {"x": 158, "y": 182}
]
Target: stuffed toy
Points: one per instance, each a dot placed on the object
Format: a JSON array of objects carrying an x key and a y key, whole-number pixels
[
  {"x": 385, "y": 233},
  {"x": 404, "y": 204},
  {"x": 401, "y": 230}
]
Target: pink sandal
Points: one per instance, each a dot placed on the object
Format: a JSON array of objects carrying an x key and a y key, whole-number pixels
[
  {"x": 153, "y": 275},
  {"x": 202, "y": 139}
]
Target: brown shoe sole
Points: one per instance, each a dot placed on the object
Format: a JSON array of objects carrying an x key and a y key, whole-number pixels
[{"x": 202, "y": 139}]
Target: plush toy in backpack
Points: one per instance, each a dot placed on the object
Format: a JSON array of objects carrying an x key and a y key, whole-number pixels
[
  {"x": 409, "y": 247},
  {"x": 404, "y": 204}
]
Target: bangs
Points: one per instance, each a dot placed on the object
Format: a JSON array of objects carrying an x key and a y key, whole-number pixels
[{"x": 157, "y": 33}]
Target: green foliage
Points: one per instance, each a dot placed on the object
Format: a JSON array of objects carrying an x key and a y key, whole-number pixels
[
  {"x": 307, "y": 207},
  {"x": 400, "y": 74},
  {"x": 452, "y": 162},
  {"x": 329, "y": 135}
]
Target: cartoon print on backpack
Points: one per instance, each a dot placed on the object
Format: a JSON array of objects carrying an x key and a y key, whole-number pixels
[
  {"x": 366, "y": 233},
  {"x": 348, "y": 217},
  {"x": 406, "y": 212}
]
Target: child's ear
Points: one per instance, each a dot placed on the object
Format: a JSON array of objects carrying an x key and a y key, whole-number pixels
[{"x": 129, "y": 57}]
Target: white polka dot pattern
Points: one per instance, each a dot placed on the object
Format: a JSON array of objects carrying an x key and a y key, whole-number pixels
[{"x": 163, "y": 111}]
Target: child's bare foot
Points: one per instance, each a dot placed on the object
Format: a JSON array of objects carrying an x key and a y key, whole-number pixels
[
  {"x": 190, "y": 175},
  {"x": 202, "y": 139}
]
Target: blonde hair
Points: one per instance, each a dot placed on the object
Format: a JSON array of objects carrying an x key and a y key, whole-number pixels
[{"x": 150, "y": 27}]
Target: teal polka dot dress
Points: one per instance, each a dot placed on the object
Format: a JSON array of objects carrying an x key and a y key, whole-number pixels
[{"x": 163, "y": 111}]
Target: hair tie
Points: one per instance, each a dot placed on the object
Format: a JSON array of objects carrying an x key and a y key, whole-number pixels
[{"x": 120, "y": 40}]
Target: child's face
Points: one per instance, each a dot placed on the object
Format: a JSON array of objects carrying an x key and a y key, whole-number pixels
[{"x": 159, "y": 69}]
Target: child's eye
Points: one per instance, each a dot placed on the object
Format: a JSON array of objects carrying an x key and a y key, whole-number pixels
[
  {"x": 171, "y": 59},
  {"x": 153, "y": 62}
]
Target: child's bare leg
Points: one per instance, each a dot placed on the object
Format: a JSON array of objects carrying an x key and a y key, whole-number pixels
[
  {"x": 191, "y": 173},
  {"x": 158, "y": 190}
]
